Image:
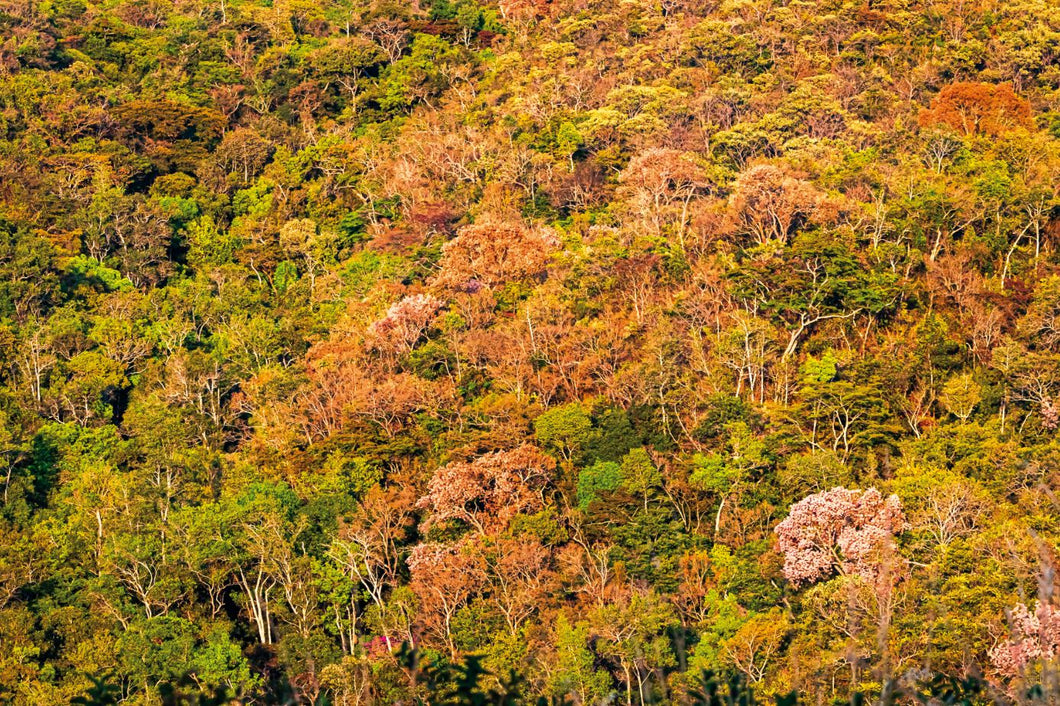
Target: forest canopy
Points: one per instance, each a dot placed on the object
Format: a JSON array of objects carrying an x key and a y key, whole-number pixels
[{"x": 609, "y": 343}]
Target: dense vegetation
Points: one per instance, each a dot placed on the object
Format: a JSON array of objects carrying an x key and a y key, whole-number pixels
[{"x": 606, "y": 342}]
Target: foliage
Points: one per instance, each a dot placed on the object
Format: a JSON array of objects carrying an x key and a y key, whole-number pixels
[{"x": 605, "y": 342}]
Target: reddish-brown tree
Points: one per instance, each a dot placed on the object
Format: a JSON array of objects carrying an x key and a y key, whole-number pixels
[
  {"x": 978, "y": 109},
  {"x": 659, "y": 184},
  {"x": 444, "y": 578},
  {"x": 492, "y": 252},
  {"x": 769, "y": 202},
  {"x": 517, "y": 575}
]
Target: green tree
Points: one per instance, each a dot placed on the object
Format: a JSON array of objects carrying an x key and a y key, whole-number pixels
[
  {"x": 575, "y": 672},
  {"x": 566, "y": 429}
]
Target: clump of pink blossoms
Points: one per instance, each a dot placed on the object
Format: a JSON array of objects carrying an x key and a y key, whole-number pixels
[
  {"x": 838, "y": 530},
  {"x": 404, "y": 323},
  {"x": 1035, "y": 637}
]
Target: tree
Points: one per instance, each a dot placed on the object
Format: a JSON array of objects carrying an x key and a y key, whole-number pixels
[
  {"x": 960, "y": 395},
  {"x": 978, "y": 109},
  {"x": 90, "y": 381},
  {"x": 747, "y": 347},
  {"x": 756, "y": 644},
  {"x": 566, "y": 428},
  {"x": 346, "y": 62},
  {"x": 517, "y": 577},
  {"x": 492, "y": 252},
  {"x": 660, "y": 185},
  {"x": 303, "y": 239},
  {"x": 405, "y": 323},
  {"x": 842, "y": 416},
  {"x": 1041, "y": 324},
  {"x": 242, "y": 154},
  {"x": 522, "y": 9},
  {"x": 219, "y": 662},
  {"x": 630, "y": 632},
  {"x": 817, "y": 279},
  {"x": 943, "y": 504},
  {"x": 28, "y": 273},
  {"x": 729, "y": 475},
  {"x": 391, "y": 36},
  {"x": 367, "y": 546},
  {"x": 128, "y": 233},
  {"x": 575, "y": 673},
  {"x": 1034, "y": 639},
  {"x": 489, "y": 491},
  {"x": 770, "y": 202},
  {"x": 640, "y": 475},
  {"x": 140, "y": 565},
  {"x": 444, "y": 578},
  {"x": 1033, "y": 377},
  {"x": 157, "y": 649},
  {"x": 838, "y": 530},
  {"x": 259, "y": 527},
  {"x": 601, "y": 477}
]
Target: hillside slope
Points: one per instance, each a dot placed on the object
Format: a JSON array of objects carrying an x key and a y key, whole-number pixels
[{"x": 608, "y": 341}]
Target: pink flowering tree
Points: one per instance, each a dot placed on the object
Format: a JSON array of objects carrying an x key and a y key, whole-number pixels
[
  {"x": 1035, "y": 638},
  {"x": 405, "y": 322},
  {"x": 488, "y": 491},
  {"x": 838, "y": 531}
]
